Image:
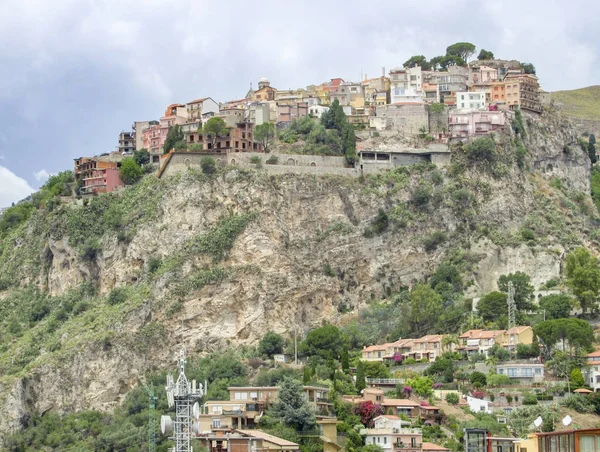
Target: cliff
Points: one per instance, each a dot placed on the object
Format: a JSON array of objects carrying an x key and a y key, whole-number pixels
[{"x": 97, "y": 290}]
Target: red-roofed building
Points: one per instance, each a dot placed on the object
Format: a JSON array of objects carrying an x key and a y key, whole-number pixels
[
  {"x": 431, "y": 447},
  {"x": 199, "y": 107},
  {"x": 332, "y": 85}
]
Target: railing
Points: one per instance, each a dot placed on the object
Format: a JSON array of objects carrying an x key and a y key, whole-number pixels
[
  {"x": 385, "y": 381},
  {"x": 324, "y": 400},
  {"x": 232, "y": 413}
]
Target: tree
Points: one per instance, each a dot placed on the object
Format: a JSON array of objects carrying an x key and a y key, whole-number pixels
[
  {"x": 498, "y": 380},
  {"x": 264, "y": 134},
  {"x": 174, "y": 135},
  {"x": 499, "y": 352},
  {"x": 271, "y": 344},
  {"x": 306, "y": 375},
  {"x": 215, "y": 128},
  {"x": 130, "y": 171},
  {"x": 141, "y": 157},
  {"x": 556, "y": 306},
  {"x": 447, "y": 273},
  {"x": 425, "y": 308},
  {"x": 418, "y": 60},
  {"x": 360, "y": 376},
  {"x": 492, "y": 306},
  {"x": 592, "y": 148},
  {"x": 478, "y": 377},
  {"x": 325, "y": 342},
  {"x": 442, "y": 62},
  {"x": 523, "y": 289},
  {"x": 576, "y": 379},
  {"x": 208, "y": 165},
  {"x": 452, "y": 398},
  {"x": 463, "y": 50},
  {"x": 578, "y": 334},
  {"x": 528, "y": 68},
  {"x": 485, "y": 55},
  {"x": 292, "y": 407},
  {"x": 345, "y": 361},
  {"x": 374, "y": 369},
  {"x": 583, "y": 278},
  {"x": 367, "y": 412},
  {"x": 336, "y": 119},
  {"x": 422, "y": 386}
]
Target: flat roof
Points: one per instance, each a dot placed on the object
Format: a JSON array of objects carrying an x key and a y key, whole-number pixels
[{"x": 270, "y": 438}]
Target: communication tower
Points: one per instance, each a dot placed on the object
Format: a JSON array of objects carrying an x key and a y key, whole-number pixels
[{"x": 512, "y": 312}]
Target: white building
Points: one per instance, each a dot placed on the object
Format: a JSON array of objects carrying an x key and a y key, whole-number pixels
[
  {"x": 523, "y": 372},
  {"x": 478, "y": 405},
  {"x": 405, "y": 85},
  {"x": 592, "y": 374},
  {"x": 473, "y": 100},
  {"x": 393, "y": 434},
  {"x": 317, "y": 110}
]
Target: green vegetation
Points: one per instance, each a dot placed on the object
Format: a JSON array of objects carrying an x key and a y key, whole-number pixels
[
  {"x": 271, "y": 344},
  {"x": 174, "y": 136},
  {"x": 581, "y": 103},
  {"x": 265, "y": 133},
  {"x": 214, "y": 129},
  {"x": 208, "y": 165},
  {"x": 130, "y": 171},
  {"x": 583, "y": 277},
  {"x": 485, "y": 55}
]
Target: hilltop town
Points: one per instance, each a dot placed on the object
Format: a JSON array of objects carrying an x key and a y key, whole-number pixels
[{"x": 435, "y": 101}]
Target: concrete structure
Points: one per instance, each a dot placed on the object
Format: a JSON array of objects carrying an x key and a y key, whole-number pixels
[
  {"x": 239, "y": 139},
  {"x": 197, "y": 108},
  {"x": 348, "y": 93},
  {"x": 583, "y": 440},
  {"x": 592, "y": 373},
  {"x": 470, "y": 100},
  {"x": 522, "y": 92},
  {"x": 176, "y": 162},
  {"x": 102, "y": 180},
  {"x": 138, "y": 127},
  {"x": 317, "y": 110},
  {"x": 126, "y": 142},
  {"x": 281, "y": 358},
  {"x": 374, "y": 160},
  {"x": 545, "y": 98},
  {"x": 393, "y": 434},
  {"x": 259, "y": 113},
  {"x": 405, "y": 85},
  {"x": 406, "y": 118},
  {"x": 522, "y": 372},
  {"x": 469, "y": 123}
]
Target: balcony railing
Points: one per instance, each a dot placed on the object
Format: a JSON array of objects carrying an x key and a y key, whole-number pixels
[{"x": 385, "y": 381}]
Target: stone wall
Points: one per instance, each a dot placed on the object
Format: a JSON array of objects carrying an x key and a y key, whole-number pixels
[
  {"x": 405, "y": 118},
  {"x": 182, "y": 161},
  {"x": 245, "y": 158}
]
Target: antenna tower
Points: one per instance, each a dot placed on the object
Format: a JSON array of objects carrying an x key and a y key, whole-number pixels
[
  {"x": 512, "y": 311},
  {"x": 151, "y": 419}
]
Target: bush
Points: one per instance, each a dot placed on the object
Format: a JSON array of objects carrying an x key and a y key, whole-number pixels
[
  {"x": 117, "y": 296},
  {"x": 481, "y": 149},
  {"x": 433, "y": 240},
  {"x": 154, "y": 264},
  {"x": 530, "y": 399},
  {"x": 580, "y": 403},
  {"x": 272, "y": 160},
  {"x": 420, "y": 196},
  {"x": 271, "y": 344},
  {"x": 327, "y": 270},
  {"x": 498, "y": 380},
  {"x": 255, "y": 159},
  {"x": 130, "y": 171},
  {"x": 478, "y": 377},
  {"x": 452, "y": 398},
  {"x": 208, "y": 165}
]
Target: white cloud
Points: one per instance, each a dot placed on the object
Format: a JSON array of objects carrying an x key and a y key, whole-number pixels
[
  {"x": 41, "y": 176},
  {"x": 12, "y": 187}
]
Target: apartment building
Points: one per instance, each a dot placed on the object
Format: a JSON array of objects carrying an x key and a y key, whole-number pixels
[
  {"x": 470, "y": 100},
  {"x": 479, "y": 341},
  {"x": 522, "y": 91},
  {"x": 287, "y": 112},
  {"x": 349, "y": 93},
  {"x": 138, "y": 127},
  {"x": 592, "y": 373},
  {"x": 393, "y": 434},
  {"x": 469, "y": 123},
  {"x": 530, "y": 372},
  {"x": 427, "y": 347},
  {"x": 405, "y": 85},
  {"x": 239, "y": 139},
  {"x": 498, "y": 90},
  {"x": 196, "y": 108},
  {"x": 245, "y": 404},
  {"x": 126, "y": 142}
]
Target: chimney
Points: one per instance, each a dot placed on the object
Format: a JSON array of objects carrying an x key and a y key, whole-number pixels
[{"x": 383, "y": 71}]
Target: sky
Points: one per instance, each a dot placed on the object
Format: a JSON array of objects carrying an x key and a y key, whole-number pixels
[{"x": 75, "y": 73}]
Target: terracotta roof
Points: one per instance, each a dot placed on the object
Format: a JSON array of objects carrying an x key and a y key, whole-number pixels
[
  {"x": 429, "y": 338},
  {"x": 372, "y": 391},
  {"x": 427, "y": 407},
  {"x": 372, "y": 348},
  {"x": 431, "y": 446},
  {"x": 517, "y": 329},
  {"x": 198, "y": 100},
  {"x": 595, "y": 354},
  {"x": 399, "y": 402},
  {"x": 481, "y": 334},
  {"x": 270, "y": 438},
  {"x": 389, "y": 416}
]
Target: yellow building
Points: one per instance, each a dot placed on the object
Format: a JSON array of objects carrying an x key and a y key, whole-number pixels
[
  {"x": 328, "y": 429},
  {"x": 527, "y": 445}
]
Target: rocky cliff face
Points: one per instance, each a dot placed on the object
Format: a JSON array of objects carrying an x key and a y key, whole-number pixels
[{"x": 306, "y": 253}]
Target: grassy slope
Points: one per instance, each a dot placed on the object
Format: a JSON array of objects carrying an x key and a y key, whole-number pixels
[{"x": 583, "y": 103}]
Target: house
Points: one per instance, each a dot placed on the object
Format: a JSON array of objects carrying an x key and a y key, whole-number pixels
[
  {"x": 427, "y": 347},
  {"x": 522, "y": 372},
  {"x": 522, "y": 91},
  {"x": 374, "y": 352},
  {"x": 584, "y": 440},
  {"x": 231, "y": 440},
  {"x": 196, "y": 108},
  {"x": 431, "y": 92},
  {"x": 259, "y": 113},
  {"x": 498, "y": 90},
  {"x": 328, "y": 434},
  {"x": 393, "y": 407},
  {"x": 376, "y": 91},
  {"x": 393, "y": 434},
  {"x": 102, "y": 180},
  {"x": 480, "y": 341},
  {"x": 517, "y": 335},
  {"x": 482, "y": 74},
  {"x": 317, "y": 110},
  {"x": 239, "y": 139},
  {"x": 286, "y": 96},
  {"x": 451, "y": 81},
  {"x": 429, "y": 414},
  {"x": 470, "y": 100},
  {"x": 592, "y": 373},
  {"x": 332, "y": 85},
  {"x": 478, "y": 405},
  {"x": 431, "y": 447},
  {"x": 469, "y": 123},
  {"x": 349, "y": 93},
  {"x": 479, "y": 440}
]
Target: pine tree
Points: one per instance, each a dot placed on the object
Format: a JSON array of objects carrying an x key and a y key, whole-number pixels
[
  {"x": 592, "y": 148},
  {"x": 345, "y": 361},
  {"x": 306, "y": 377}
]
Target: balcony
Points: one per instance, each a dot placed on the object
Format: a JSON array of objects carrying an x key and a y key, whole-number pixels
[
  {"x": 324, "y": 400},
  {"x": 233, "y": 413}
]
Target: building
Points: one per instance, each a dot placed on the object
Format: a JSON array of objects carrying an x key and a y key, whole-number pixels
[
  {"x": 290, "y": 95},
  {"x": 231, "y": 440},
  {"x": 498, "y": 90},
  {"x": 287, "y": 112},
  {"x": 431, "y": 447},
  {"x": 431, "y": 92},
  {"x": 97, "y": 176},
  {"x": 522, "y": 372},
  {"x": 584, "y": 440},
  {"x": 405, "y": 85},
  {"x": 372, "y": 161},
  {"x": 517, "y": 335},
  {"x": 592, "y": 373},
  {"x": 393, "y": 434},
  {"x": 349, "y": 93},
  {"x": 197, "y": 108},
  {"x": 317, "y": 110},
  {"x": 328, "y": 434},
  {"x": 259, "y": 113},
  {"x": 469, "y": 123},
  {"x": 282, "y": 358},
  {"x": 376, "y": 91},
  {"x": 522, "y": 91},
  {"x": 480, "y": 341},
  {"x": 427, "y": 347},
  {"x": 138, "y": 128},
  {"x": 232, "y": 116},
  {"x": 394, "y": 407},
  {"x": 479, "y": 440},
  {"x": 239, "y": 139},
  {"x": 332, "y": 85},
  {"x": 478, "y": 405},
  {"x": 470, "y": 100},
  {"x": 126, "y": 142}
]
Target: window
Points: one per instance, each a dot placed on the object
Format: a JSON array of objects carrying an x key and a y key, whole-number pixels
[
  {"x": 216, "y": 409},
  {"x": 462, "y": 97},
  {"x": 511, "y": 372},
  {"x": 216, "y": 423},
  {"x": 413, "y": 442},
  {"x": 385, "y": 440},
  {"x": 538, "y": 370}
]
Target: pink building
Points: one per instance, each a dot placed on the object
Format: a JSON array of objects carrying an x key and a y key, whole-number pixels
[
  {"x": 463, "y": 123},
  {"x": 153, "y": 137},
  {"x": 102, "y": 180},
  {"x": 286, "y": 113}
]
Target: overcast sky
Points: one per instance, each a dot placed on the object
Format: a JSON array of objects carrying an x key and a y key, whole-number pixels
[{"x": 77, "y": 72}]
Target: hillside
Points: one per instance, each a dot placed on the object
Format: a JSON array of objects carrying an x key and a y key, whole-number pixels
[
  {"x": 95, "y": 291},
  {"x": 582, "y": 106}
]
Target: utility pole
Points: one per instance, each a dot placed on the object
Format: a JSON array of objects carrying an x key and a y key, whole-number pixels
[
  {"x": 151, "y": 420},
  {"x": 512, "y": 311},
  {"x": 295, "y": 344}
]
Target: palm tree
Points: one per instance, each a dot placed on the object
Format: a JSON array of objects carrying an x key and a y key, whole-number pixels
[{"x": 448, "y": 340}]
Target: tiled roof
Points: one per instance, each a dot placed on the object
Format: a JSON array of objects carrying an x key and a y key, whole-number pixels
[
  {"x": 372, "y": 348},
  {"x": 433, "y": 447},
  {"x": 429, "y": 338},
  {"x": 399, "y": 402},
  {"x": 595, "y": 354},
  {"x": 198, "y": 100},
  {"x": 270, "y": 438},
  {"x": 517, "y": 329}
]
